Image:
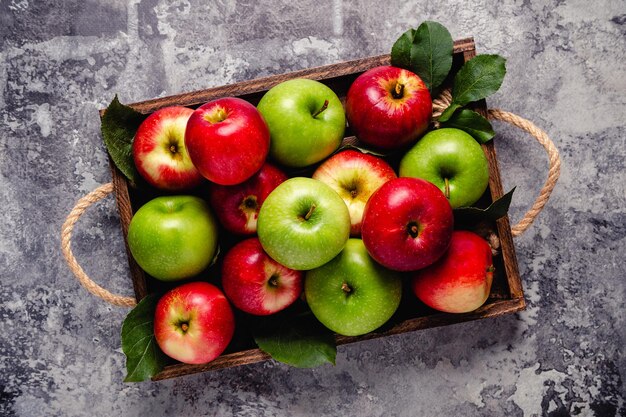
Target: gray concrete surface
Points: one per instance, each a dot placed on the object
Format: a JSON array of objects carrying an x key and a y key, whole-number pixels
[{"x": 60, "y": 61}]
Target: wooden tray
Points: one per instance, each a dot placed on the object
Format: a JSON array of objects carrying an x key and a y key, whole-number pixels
[{"x": 506, "y": 295}]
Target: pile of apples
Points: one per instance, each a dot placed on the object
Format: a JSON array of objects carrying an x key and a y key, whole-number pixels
[{"x": 347, "y": 236}]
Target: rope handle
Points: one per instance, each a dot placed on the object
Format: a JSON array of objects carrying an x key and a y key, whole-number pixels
[
  {"x": 554, "y": 169},
  {"x": 66, "y": 241},
  {"x": 438, "y": 105}
]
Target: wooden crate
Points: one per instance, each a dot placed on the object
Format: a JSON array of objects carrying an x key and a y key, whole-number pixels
[{"x": 506, "y": 294}]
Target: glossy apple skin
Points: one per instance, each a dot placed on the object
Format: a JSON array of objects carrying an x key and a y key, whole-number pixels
[
  {"x": 299, "y": 137},
  {"x": 354, "y": 176},
  {"x": 353, "y": 295},
  {"x": 173, "y": 237},
  {"x": 289, "y": 237},
  {"x": 452, "y": 154},
  {"x": 159, "y": 150},
  {"x": 381, "y": 119},
  {"x": 227, "y": 140},
  {"x": 460, "y": 281},
  {"x": 407, "y": 224},
  {"x": 257, "y": 284},
  {"x": 237, "y": 206},
  {"x": 209, "y": 319}
]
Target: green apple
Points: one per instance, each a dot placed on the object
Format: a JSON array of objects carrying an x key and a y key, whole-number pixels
[
  {"x": 352, "y": 294},
  {"x": 173, "y": 237},
  {"x": 306, "y": 121},
  {"x": 303, "y": 224},
  {"x": 453, "y": 161}
]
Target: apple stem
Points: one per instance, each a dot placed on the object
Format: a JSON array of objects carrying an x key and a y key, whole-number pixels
[
  {"x": 184, "y": 327},
  {"x": 310, "y": 212},
  {"x": 346, "y": 288},
  {"x": 491, "y": 268},
  {"x": 173, "y": 148},
  {"x": 447, "y": 188},
  {"x": 398, "y": 91},
  {"x": 324, "y": 107}
]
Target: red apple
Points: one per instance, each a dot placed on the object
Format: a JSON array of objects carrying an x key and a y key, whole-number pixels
[
  {"x": 194, "y": 323},
  {"x": 159, "y": 150},
  {"x": 237, "y": 206},
  {"x": 460, "y": 281},
  {"x": 354, "y": 176},
  {"x": 227, "y": 140},
  {"x": 407, "y": 224},
  {"x": 388, "y": 107},
  {"x": 257, "y": 284}
]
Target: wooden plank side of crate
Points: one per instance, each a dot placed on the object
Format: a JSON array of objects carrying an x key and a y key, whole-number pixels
[
  {"x": 490, "y": 309},
  {"x": 251, "y": 356},
  {"x": 495, "y": 186},
  {"x": 230, "y": 360},
  {"x": 125, "y": 210}
]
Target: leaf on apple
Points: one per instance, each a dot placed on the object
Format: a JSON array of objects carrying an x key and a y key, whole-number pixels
[
  {"x": 360, "y": 149},
  {"x": 478, "y": 78},
  {"x": 473, "y": 215},
  {"x": 144, "y": 358},
  {"x": 297, "y": 340},
  {"x": 426, "y": 51},
  {"x": 472, "y": 123},
  {"x": 119, "y": 125}
]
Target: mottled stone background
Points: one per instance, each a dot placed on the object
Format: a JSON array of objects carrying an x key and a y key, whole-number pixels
[{"x": 62, "y": 60}]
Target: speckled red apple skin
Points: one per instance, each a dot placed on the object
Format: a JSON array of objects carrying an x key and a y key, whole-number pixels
[
  {"x": 460, "y": 281},
  {"x": 246, "y": 272},
  {"x": 364, "y": 171},
  {"x": 390, "y": 212},
  {"x": 151, "y": 157},
  {"x": 379, "y": 119},
  {"x": 230, "y": 151},
  {"x": 211, "y": 323},
  {"x": 228, "y": 201}
]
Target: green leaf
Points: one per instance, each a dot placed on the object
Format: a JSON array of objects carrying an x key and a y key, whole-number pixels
[
  {"x": 119, "y": 124},
  {"x": 496, "y": 210},
  {"x": 472, "y": 123},
  {"x": 447, "y": 113},
  {"x": 299, "y": 340},
  {"x": 359, "y": 149},
  {"x": 144, "y": 359},
  {"x": 427, "y": 51},
  {"x": 478, "y": 78}
]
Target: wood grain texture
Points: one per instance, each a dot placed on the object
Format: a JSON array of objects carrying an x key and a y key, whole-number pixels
[
  {"x": 506, "y": 298},
  {"x": 495, "y": 186},
  {"x": 490, "y": 309},
  {"x": 125, "y": 210},
  {"x": 244, "y": 357}
]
